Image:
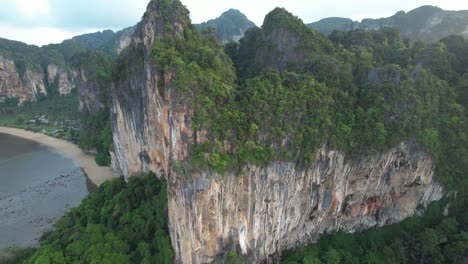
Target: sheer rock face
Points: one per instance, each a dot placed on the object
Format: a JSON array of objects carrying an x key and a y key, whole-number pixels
[
  {"x": 89, "y": 98},
  {"x": 269, "y": 209},
  {"x": 31, "y": 83},
  {"x": 59, "y": 77},
  {"x": 280, "y": 206},
  {"x": 148, "y": 123},
  {"x": 24, "y": 87},
  {"x": 124, "y": 40}
]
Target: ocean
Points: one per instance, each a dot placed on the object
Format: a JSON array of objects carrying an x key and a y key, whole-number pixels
[{"x": 37, "y": 186}]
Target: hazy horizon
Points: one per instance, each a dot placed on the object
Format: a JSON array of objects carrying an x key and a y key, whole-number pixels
[{"x": 41, "y": 22}]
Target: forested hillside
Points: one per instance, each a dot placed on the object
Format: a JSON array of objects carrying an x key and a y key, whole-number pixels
[
  {"x": 358, "y": 91},
  {"x": 431, "y": 238},
  {"x": 230, "y": 26},
  {"x": 281, "y": 94},
  {"x": 425, "y": 23},
  {"x": 120, "y": 223}
]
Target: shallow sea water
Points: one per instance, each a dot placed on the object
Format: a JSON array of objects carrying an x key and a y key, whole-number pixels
[{"x": 37, "y": 186}]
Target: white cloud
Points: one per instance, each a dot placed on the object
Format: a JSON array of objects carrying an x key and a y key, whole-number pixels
[
  {"x": 39, "y": 36},
  {"x": 33, "y": 8},
  {"x": 45, "y": 21}
]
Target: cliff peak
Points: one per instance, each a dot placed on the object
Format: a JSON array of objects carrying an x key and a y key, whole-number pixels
[
  {"x": 162, "y": 18},
  {"x": 230, "y": 26},
  {"x": 426, "y": 9},
  {"x": 281, "y": 18},
  {"x": 232, "y": 11}
]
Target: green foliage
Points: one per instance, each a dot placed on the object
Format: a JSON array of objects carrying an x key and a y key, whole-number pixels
[
  {"x": 229, "y": 25},
  {"x": 204, "y": 77},
  {"x": 431, "y": 238},
  {"x": 415, "y": 25},
  {"x": 15, "y": 255},
  {"x": 121, "y": 223},
  {"x": 96, "y": 131},
  {"x": 60, "y": 111},
  {"x": 234, "y": 258},
  {"x": 358, "y": 91}
]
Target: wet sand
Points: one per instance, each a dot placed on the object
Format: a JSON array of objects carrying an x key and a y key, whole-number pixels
[{"x": 95, "y": 173}]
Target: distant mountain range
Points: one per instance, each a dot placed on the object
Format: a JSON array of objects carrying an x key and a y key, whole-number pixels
[
  {"x": 107, "y": 41},
  {"x": 230, "y": 26},
  {"x": 426, "y": 23}
]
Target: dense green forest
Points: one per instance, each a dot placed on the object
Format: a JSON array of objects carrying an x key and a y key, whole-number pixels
[
  {"x": 120, "y": 223},
  {"x": 229, "y": 26},
  {"x": 96, "y": 132},
  {"x": 55, "y": 115},
  {"x": 58, "y": 115},
  {"x": 414, "y": 24},
  {"x": 38, "y": 58},
  {"x": 358, "y": 91},
  {"x": 280, "y": 94},
  {"x": 431, "y": 238}
]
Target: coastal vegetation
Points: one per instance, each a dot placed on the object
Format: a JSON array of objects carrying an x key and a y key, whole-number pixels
[
  {"x": 358, "y": 91},
  {"x": 95, "y": 134},
  {"x": 279, "y": 95},
  {"x": 56, "y": 116},
  {"x": 120, "y": 223}
]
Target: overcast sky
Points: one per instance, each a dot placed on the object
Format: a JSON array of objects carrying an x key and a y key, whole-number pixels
[{"x": 51, "y": 21}]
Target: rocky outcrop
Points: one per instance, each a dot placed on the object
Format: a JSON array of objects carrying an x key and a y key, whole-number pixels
[
  {"x": 27, "y": 86},
  {"x": 124, "y": 38},
  {"x": 142, "y": 139},
  {"x": 269, "y": 208},
  {"x": 230, "y": 26},
  {"x": 88, "y": 91},
  {"x": 59, "y": 77},
  {"x": 281, "y": 206},
  {"x": 24, "y": 87}
]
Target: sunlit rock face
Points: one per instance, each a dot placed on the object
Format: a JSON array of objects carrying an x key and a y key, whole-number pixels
[
  {"x": 280, "y": 206},
  {"x": 31, "y": 83},
  {"x": 59, "y": 77},
  {"x": 23, "y": 85},
  {"x": 270, "y": 208}
]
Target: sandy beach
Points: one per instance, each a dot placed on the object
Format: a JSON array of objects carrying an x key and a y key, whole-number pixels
[{"x": 95, "y": 173}]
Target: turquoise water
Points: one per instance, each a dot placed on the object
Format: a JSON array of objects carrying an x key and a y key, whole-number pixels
[{"x": 37, "y": 186}]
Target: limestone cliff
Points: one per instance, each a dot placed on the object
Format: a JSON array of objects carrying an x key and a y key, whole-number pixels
[
  {"x": 123, "y": 39},
  {"x": 27, "y": 87},
  {"x": 142, "y": 138},
  {"x": 270, "y": 208},
  {"x": 59, "y": 77},
  {"x": 230, "y": 26},
  {"x": 24, "y": 86},
  {"x": 280, "y": 206}
]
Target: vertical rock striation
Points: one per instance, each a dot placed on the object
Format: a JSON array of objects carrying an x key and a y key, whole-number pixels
[
  {"x": 269, "y": 209},
  {"x": 59, "y": 77},
  {"x": 280, "y": 206},
  {"x": 24, "y": 87},
  {"x": 89, "y": 95},
  {"x": 147, "y": 120}
]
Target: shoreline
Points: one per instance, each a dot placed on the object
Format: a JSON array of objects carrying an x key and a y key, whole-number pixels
[{"x": 96, "y": 174}]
